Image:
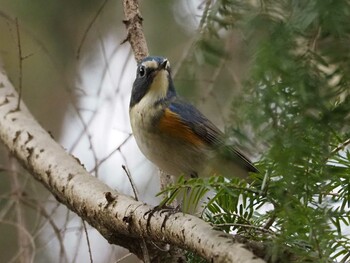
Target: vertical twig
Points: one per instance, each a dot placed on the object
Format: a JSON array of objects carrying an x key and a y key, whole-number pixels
[
  {"x": 20, "y": 61},
  {"x": 133, "y": 22},
  {"x": 87, "y": 241},
  {"x": 146, "y": 257},
  {"x": 133, "y": 186},
  {"x": 82, "y": 41},
  {"x": 23, "y": 243},
  {"x": 196, "y": 38}
]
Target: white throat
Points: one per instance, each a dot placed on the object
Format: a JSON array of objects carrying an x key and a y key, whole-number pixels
[{"x": 158, "y": 88}]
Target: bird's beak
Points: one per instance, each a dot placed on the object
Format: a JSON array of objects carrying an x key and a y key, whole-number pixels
[{"x": 164, "y": 64}]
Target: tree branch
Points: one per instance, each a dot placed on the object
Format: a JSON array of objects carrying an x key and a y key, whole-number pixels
[
  {"x": 120, "y": 219},
  {"x": 133, "y": 22}
]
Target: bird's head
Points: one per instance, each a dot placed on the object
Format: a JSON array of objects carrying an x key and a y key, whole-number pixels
[{"x": 153, "y": 81}]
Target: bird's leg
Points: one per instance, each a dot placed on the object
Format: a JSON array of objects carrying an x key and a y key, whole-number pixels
[{"x": 164, "y": 207}]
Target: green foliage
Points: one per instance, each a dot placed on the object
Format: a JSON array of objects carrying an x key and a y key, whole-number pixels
[
  {"x": 300, "y": 99},
  {"x": 295, "y": 106}
]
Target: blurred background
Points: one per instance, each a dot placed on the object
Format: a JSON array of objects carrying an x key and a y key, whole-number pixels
[{"x": 76, "y": 80}]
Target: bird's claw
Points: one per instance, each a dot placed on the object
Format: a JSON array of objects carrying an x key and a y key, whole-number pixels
[{"x": 162, "y": 209}]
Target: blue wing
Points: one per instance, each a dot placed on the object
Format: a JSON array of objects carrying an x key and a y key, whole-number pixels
[{"x": 208, "y": 132}]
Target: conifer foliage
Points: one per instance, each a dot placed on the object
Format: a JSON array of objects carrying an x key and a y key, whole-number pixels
[{"x": 295, "y": 107}]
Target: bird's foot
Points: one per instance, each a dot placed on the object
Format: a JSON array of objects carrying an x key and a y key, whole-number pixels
[{"x": 168, "y": 210}]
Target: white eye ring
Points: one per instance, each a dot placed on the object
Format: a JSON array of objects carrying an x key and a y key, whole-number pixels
[{"x": 142, "y": 71}]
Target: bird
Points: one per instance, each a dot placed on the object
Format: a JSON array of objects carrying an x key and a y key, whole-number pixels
[{"x": 173, "y": 134}]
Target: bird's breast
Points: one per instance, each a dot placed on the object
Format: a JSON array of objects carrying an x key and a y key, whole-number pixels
[{"x": 168, "y": 151}]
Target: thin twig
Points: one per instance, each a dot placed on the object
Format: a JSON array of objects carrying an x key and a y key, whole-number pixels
[
  {"x": 191, "y": 47},
  {"x": 122, "y": 73},
  {"x": 124, "y": 257},
  {"x": 28, "y": 236},
  {"x": 88, "y": 241},
  {"x": 35, "y": 204},
  {"x": 246, "y": 226},
  {"x": 20, "y": 64},
  {"x": 106, "y": 69},
  {"x": 146, "y": 257},
  {"x": 340, "y": 146},
  {"x": 89, "y": 138},
  {"x": 132, "y": 183},
  {"x": 87, "y": 124},
  {"x": 316, "y": 38},
  {"x": 111, "y": 153},
  {"x": 270, "y": 222},
  {"x": 79, "y": 240},
  {"x": 17, "y": 190},
  {"x": 92, "y": 22}
]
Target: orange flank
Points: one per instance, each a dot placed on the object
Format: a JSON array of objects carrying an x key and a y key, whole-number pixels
[{"x": 171, "y": 124}]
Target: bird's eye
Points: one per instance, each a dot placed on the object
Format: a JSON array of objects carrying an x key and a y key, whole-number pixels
[{"x": 142, "y": 71}]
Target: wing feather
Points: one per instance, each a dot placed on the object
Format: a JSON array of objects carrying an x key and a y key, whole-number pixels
[{"x": 208, "y": 132}]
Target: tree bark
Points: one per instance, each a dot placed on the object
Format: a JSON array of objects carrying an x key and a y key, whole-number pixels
[{"x": 133, "y": 22}]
